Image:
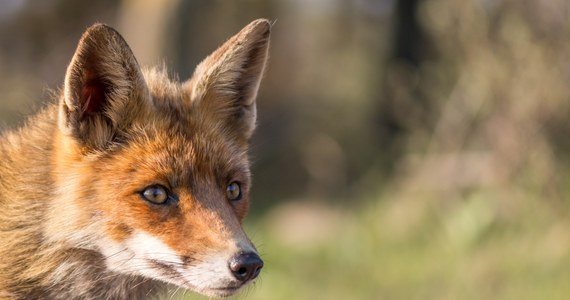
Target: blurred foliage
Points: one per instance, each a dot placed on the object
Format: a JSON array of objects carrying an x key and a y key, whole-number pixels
[{"x": 405, "y": 149}]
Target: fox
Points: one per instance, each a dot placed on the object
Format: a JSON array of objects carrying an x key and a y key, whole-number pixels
[{"x": 130, "y": 182}]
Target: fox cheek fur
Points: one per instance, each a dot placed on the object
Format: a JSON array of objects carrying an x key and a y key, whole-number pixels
[{"x": 149, "y": 178}]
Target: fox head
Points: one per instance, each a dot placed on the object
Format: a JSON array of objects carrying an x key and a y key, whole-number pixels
[{"x": 153, "y": 174}]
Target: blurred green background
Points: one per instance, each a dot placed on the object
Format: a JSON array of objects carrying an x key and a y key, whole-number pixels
[{"x": 406, "y": 149}]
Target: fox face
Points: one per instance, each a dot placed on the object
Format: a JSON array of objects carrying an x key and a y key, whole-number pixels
[{"x": 153, "y": 175}]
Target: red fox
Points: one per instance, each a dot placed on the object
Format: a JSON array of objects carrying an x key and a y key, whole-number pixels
[{"x": 130, "y": 182}]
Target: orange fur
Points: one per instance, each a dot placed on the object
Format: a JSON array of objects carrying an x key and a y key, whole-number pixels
[{"x": 72, "y": 177}]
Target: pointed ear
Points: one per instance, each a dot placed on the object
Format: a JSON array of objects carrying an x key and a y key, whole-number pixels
[
  {"x": 104, "y": 88},
  {"x": 224, "y": 86}
]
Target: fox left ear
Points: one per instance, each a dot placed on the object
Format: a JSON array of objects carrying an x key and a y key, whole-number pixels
[
  {"x": 225, "y": 84},
  {"x": 104, "y": 88}
]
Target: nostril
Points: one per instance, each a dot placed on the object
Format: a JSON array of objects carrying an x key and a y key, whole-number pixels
[
  {"x": 257, "y": 271},
  {"x": 246, "y": 266},
  {"x": 242, "y": 271}
]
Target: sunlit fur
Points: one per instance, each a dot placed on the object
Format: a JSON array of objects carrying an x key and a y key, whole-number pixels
[{"x": 72, "y": 221}]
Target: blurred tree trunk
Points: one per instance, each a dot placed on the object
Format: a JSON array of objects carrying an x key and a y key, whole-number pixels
[
  {"x": 147, "y": 39},
  {"x": 184, "y": 33},
  {"x": 408, "y": 34},
  {"x": 402, "y": 106}
]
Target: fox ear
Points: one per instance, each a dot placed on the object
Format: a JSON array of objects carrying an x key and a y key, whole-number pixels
[
  {"x": 224, "y": 86},
  {"x": 103, "y": 89}
]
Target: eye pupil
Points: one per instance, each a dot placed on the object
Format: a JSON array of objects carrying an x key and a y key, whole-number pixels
[
  {"x": 233, "y": 191},
  {"x": 155, "y": 194}
]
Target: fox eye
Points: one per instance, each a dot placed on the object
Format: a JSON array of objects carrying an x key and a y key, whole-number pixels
[
  {"x": 233, "y": 191},
  {"x": 155, "y": 194}
]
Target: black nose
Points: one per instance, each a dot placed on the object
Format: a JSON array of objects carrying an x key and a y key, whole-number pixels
[{"x": 246, "y": 266}]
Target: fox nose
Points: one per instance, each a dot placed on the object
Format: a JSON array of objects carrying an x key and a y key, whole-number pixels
[{"x": 246, "y": 266}]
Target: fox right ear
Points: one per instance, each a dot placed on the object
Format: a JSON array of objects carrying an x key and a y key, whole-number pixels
[
  {"x": 103, "y": 90},
  {"x": 225, "y": 84}
]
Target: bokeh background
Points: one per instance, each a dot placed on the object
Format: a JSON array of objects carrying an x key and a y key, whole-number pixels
[{"x": 406, "y": 149}]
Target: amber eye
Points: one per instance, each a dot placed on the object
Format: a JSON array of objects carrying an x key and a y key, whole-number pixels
[
  {"x": 155, "y": 194},
  {"x": 233, "y": 191}
]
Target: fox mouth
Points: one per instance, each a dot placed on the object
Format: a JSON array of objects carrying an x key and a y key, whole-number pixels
[
  {"x": 223, "y": 291},
  {"x": 170, "y": 274}
]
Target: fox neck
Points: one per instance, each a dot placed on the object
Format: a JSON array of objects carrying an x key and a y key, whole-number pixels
[{"x": 82, "y": 273}]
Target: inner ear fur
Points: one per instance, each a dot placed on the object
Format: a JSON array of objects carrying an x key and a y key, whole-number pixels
[
  {"x": 103, "y": 89},
  {"x": 225, "y": 84}
]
